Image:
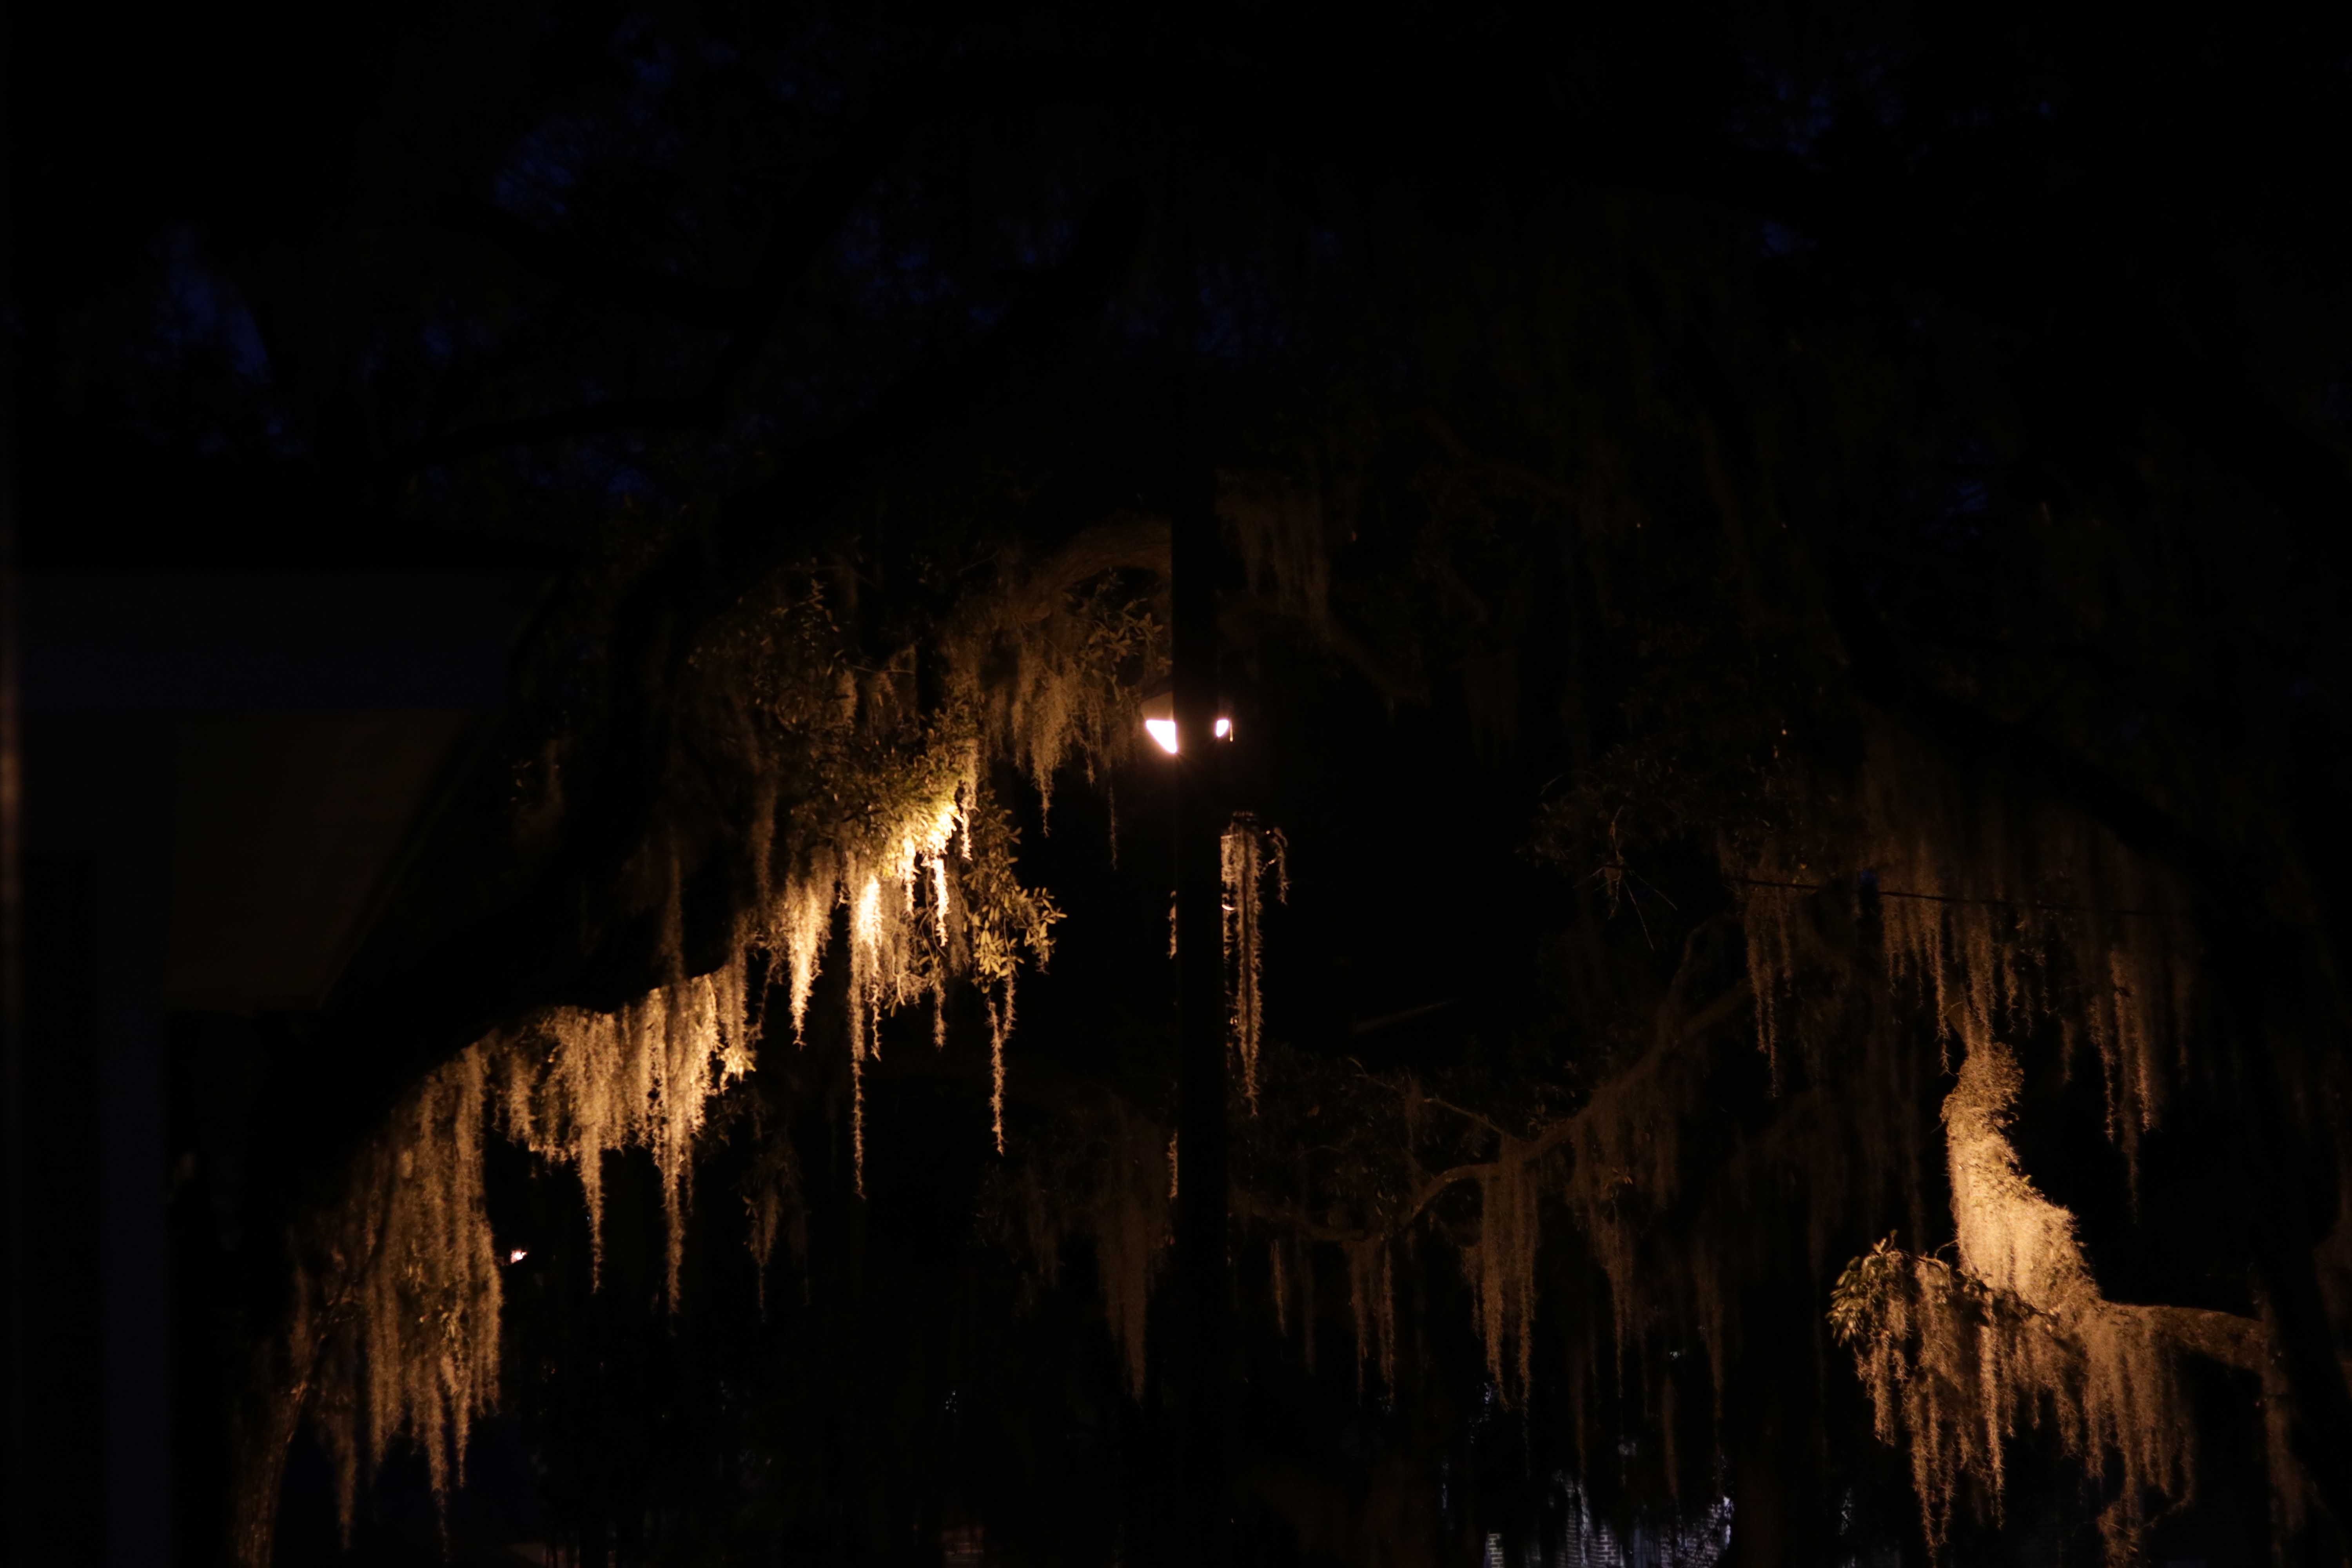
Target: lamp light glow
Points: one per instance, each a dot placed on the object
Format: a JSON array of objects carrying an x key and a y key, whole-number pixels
[{"x": 1163, "y": 730}]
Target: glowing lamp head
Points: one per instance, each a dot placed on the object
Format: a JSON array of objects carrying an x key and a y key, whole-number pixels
[
  {"x": 1159, "y": 720},
  {"x": 1163, "y": 730},
  {"x": 516, "y": 1255}
]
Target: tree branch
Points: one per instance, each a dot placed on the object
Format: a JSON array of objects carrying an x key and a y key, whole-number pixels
[
  {"x": 2247, "y": 944},
  {"x": 1529, "y": 1151},
  {"x": 1125, "y": 543}
]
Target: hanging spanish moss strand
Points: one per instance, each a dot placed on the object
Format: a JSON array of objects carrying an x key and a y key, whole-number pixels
[
  {"x": 1250, "y": 852},
  {"x": 409, "y": 1287},
  {"x": 858, "y": 1109},
  {"x": 801, "y": 924},
  {"x": 1113, "y": 1187},
  {"x": 1771, "y": 963},
  {"x": 1958, "y": 1357},
  {"x": 1501, "y": 1265},
  {"x": 931, "y": 897},
  {"x": 1000, "y": 1024},
  {"x": 2035, "y": 914},
  {"x": 1052, "y": 694},
  {"x": 1132, "y": 1234},
  {"x": 404, "y": 1293},
  {"x": 1305, "y": 1272},
  {"x": 2001, "y": 917},
  {"x": 576, "y": 1085},
  {"x": 1282, "y": 518},
  {"x": 1371, "y": 1301},
  {"x": 776, "y": 1209},
  {"x": 394, "y": 1327}
]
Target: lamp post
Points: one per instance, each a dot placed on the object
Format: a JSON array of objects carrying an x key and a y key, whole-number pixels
[{"x": 1202, "y": 1537}]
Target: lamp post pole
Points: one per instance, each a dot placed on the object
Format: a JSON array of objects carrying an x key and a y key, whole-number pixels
[{"x": 1203, "y": 1534}]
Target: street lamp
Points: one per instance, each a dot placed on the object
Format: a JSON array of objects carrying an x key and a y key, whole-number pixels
[{"x": 1158, "y": 709}]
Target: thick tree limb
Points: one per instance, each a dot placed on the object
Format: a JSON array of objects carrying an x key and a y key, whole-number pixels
[
  {"x": 1672, "y": 1034},
  {"x": 2248, "y": 948}
]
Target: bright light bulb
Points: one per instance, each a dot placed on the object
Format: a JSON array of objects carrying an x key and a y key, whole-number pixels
[
  {"x": 1163, "y": 730},
  {"x": 516, "y": 1256}
]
